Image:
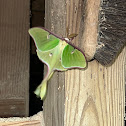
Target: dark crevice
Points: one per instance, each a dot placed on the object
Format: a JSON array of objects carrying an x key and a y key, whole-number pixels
[{"x": 36, "y": 66}]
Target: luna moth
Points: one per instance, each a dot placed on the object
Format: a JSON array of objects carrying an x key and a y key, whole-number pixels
[{"x": 57, "y": 53}]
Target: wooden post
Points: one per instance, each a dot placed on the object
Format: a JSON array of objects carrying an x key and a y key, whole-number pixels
[
  {"x": 91, "y": 97},
  {"x": 14, "y": 57},
  {"x": 96, "y": 96},
  {"x": 55, "y": 101}
]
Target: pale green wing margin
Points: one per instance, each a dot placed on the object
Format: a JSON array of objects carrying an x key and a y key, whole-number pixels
[
  {"x": 43, "y": 40},
  {"x": 73, "y": 58}
]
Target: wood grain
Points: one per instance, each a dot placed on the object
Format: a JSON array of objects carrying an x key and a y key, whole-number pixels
[
  {"x": 111, "y": 31},
  {"x": 35, "y": 120},
  {"x": 54, "y": 102},
  {"x": 93, "y": 97},
  {"x": 24, "y": 123},
  {"x": 96, "y": 96},
  {"x": 14, "y": 57},
  {"x": 12, "y": 107},
  {"x": 82, "y": 18}
]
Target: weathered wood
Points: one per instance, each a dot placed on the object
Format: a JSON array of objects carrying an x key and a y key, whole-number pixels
[
  {"x": 24, "y": 123},
  {"x": 96, "y": 96},
  {"x": 12, "y": 107},
  {"x": 82, "y": 18},
  {"x": 54, "y": 102},
  {"x": 35, "y": 120},
  {"x": 14, "y": 57},
  {"x": 89, "y": 38},
  {"x": 111, "y": 30},
  {"x": 93, "y": 97}
]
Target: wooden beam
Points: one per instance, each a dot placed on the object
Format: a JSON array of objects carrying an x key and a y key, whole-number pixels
[
  {"x": 54, "y": 103},
  {"x": 95, "y": 96}
]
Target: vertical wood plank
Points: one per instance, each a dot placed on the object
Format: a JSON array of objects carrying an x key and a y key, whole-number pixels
[
  {"x": 14, "y": 57},
  {"x": 54, "y": 102},
  {"x": 94, "y": 97}
]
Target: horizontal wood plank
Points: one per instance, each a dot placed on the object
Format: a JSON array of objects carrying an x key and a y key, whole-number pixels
[
  {"x": 24, "y": 123},
  {"x": 35, "y": 120}
]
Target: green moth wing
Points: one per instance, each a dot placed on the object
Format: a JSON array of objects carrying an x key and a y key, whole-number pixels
[
  {"x": 56, "y": 53},
  {"x": 73, "y": 58},
  {"x": 52, "y": 58},
  {"x": 43, "y": 39}
]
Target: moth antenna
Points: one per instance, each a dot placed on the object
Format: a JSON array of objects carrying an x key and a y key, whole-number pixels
[
  {"x": 72, "y": 36},
  {"x": 67, "y": 31}
]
